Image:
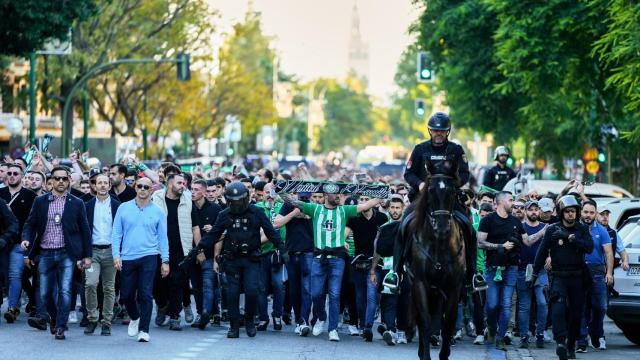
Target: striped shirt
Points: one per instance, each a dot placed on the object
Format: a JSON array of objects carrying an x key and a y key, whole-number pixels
[
  {"x": 53, "y": 237},
  {"x": 329, "y": 224}
]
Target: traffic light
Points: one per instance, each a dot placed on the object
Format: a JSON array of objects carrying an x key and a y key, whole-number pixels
[
  {"x": 420, "y": 108},
  {"x": 602, "y": 157},
  {"x": 509, "y": 161},
  {"x": 425, "y": 73},
  {"x": 183, "y": 62}
]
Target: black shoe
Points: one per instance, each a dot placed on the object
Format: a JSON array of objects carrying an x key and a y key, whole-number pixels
[
  {"x": 106, "y": 330},
  {"x": 234, "y": 331},
  {"x": 262, "y": 326},
  {"x": 52, "y": 327},
  {"x": 216, "y": 320},
  {"x": 524, "y": 343},
  {"x": 11, "y": 315},
  {"x": 434, "y": 340},
  {"x": 571, "y": 354},
  {"x": 367, "y": 334},
  {"x": 381, "y": 329},
  {"x": 287, "y": 319},
  {"x": 540, "y": 341},
  {"x": 84, "y": 322},
  {"x": 277, "y": 324},
  {"x": 501, "y": 345},
  {"x": 174, "y": 324},
  {"x": 250, "y": 327},
  {"x": 581, "y": 349},
  {"x": 91, "y": 328},
  {"x": 161, "y": 315},
  {"x": 561, "y": 351},
  {"x": 40, "y": 324},
  {"x": 204, "y": 320},
  {"x": 59, "y": 335}
]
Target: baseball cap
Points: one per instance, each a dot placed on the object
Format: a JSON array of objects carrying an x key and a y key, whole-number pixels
[
  {"x": 545, "y": 204},
  {"x": 531, "y": 203},
  {"x": 603, "y": 209},
  {"x": 486, "y": 207},
  {"x": 94, "y": 171}
]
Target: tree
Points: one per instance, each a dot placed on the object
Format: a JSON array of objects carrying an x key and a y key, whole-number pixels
[{"x": 27, "y": 24}]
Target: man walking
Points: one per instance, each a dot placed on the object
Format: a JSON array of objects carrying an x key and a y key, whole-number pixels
[
  {"x": 57, "y": 230},
  {"x": 140, "y": 230},
  {"x": 100, "y": 213}
]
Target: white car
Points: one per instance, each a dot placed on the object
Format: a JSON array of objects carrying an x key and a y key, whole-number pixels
[
  {"x": 525, "y": 184},
  {"x": 625, "y": 309},
  {"x": 620, "y": 209}
]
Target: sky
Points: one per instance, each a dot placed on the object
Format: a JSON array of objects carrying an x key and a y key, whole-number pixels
[{"x": 311, "y": 36}]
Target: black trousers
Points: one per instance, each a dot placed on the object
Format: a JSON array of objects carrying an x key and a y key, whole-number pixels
[
  {"x": 242, "y": 273},
  {"x": 567, "y": 296},
  {"x": 168, "y": 292}
]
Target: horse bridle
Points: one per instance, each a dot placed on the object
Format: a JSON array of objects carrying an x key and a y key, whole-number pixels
[{"x": 440, "y": 212}]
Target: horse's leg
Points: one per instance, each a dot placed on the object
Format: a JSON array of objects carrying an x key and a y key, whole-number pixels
[
  {"x": 450, "y": 316},
  {"x": 421, "y": 306}
]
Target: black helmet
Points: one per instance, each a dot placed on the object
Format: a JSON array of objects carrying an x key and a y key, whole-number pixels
[
  {"x": 568, "y": 201},
  {"x": 500, "y": 150},
  {"x": 237, "y": 196},
  {"x": 439, "y": 121}
]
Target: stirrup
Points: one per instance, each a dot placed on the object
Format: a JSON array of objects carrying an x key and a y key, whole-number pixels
[
  {"x": 391, "y": 282},
  {"x": 479, "y": 283}
]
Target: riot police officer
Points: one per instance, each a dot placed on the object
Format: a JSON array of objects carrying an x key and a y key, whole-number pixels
[
  {"x": 438, "y": 156},
  {"x": 239, "y": 252},
  {"x": 499, "y": 175},
  {"x": 566, "y": 242}
]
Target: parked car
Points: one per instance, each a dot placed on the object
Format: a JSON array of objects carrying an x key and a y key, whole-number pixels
[
  {"x": 524, "y": 184},
  {"x": 624, "y": 310},
  {"x": 621, "y": 210}
]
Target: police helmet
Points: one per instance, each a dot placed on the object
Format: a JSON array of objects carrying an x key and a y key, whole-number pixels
[
  {"x": 439, "y": 121},
  {"x": 500, "y": 150},
  {"x": 237, "y": 196},
  {"x": 568, "y": 201}
]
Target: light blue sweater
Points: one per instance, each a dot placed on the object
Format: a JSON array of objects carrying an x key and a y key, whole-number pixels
[{"x": 140, "y": 232}]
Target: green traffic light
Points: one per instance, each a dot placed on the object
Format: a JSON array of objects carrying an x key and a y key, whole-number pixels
[
  {"x": 602, "y": 157},
  {"x": 420, "y": 111},
  {"x": 510, "y": 161},
  {"x": 425, "y": 73},
  {"x": 229, "y": 152}
]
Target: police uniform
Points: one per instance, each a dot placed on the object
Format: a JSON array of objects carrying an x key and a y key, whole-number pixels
[
  {"x": 241, "y": 253},
  {"x": 497, "y": 177},
  {"x": 567, "y": 247}
]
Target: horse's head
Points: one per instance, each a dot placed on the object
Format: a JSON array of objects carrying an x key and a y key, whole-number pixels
[{"x": 441, "y": 195}]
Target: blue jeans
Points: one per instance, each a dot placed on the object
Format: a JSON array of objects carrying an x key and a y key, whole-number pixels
[
  {"x": 372, "y": 300},
  {"x": 136, "y": 283},
  {"x": 55, "y": 271},
  {"x": 595, "y": 310},
  {"x": 524, "y": 302},
  {"x": 16, "y": 267},
  {"x": 270, "y": 276},
  {"x": 204, "y": 281},
  {"x": 499, "y": 296},
  {"x": 330, "y": 272},
  {"x": 299, "y": 268}
]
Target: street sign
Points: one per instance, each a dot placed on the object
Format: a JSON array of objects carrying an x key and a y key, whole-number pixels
[
  {"x": 592, "y": 167},
  {"x": 540, "y": 164}
]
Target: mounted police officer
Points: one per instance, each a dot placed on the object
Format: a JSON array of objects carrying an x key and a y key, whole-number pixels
[
  {"x": 438, "y": 156},
  {"x": 499, "y": 175},
  {"x": 239, "y": 252},
  {"x": 567, "y": 242}
]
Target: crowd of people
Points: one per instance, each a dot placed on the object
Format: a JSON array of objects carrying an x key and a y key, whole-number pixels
[{"x": 126, "y": 238}]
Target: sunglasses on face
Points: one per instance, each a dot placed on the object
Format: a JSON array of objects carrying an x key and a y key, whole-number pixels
[
  {"x": 144, "y": 187},
  {"x": 518, "y": 206},
  {"x": 60, "y": 178},
  {"x": 13, "y": 173},
  {"x": 92, "y": 182}
]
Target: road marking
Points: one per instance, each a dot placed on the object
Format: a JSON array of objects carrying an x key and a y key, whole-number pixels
[
  {"x": 202, "y": 344},
  {"x": 195, "y": 348},
  {"x": 210, "y": 340},
  {"x": 188, "y": 355}
]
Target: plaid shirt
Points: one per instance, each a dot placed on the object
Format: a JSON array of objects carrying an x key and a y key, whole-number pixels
[{"x": 53, "y": 237}]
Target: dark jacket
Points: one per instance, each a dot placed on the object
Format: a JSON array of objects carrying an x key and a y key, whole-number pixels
[
  {"x": 427, "y": 159},
  {"x": 75, "y": 227},
  {"x": 91, "y": 207},
  {"x": 8, "y": 225}
]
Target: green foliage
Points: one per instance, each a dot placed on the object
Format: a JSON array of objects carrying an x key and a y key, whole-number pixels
[{"x": 27, "y": 24}]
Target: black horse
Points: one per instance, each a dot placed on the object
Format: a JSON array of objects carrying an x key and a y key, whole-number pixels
[{"x": 436, "y": 263}]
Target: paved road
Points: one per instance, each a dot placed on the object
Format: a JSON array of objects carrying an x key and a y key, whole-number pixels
[{"x": 18, "y": 341}]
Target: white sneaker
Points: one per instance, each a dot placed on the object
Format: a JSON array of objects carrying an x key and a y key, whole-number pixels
[
  {"x": 547, "y": 336},
  {"x": 297, "y": 330},
  {"x": 73, "y": 317},
  {"x": 353, "y": 330},
  {"x": 401, "y": 338},
  {"x": 603, "y": 344},
  {"x": 143, "y": 337},
  {"x": 304, "y": 330},
  {"x": 132, "y": 330},
  {"x": 458, "y": 335},
  {"x": 318, "y": 328},
  {"x": 479, "y": 340},
  {"x": 333, "y": 335}
]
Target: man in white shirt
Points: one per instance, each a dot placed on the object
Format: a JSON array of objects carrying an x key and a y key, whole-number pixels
[{"x": 100, "y": 212}]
